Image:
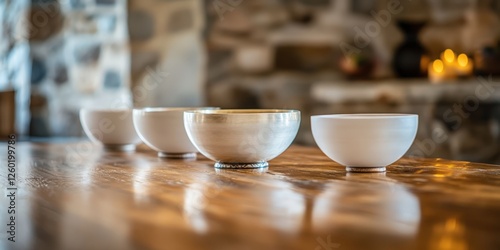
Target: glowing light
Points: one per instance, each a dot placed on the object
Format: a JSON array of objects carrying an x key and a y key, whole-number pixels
[
  {"x": 462, "y": 60},
  {"x": 449, "y": 56},
  {"x": 438, "y": 66}
]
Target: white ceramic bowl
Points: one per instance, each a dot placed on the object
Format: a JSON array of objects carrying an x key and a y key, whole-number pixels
[
  {"x": 242, "y": 138},
  {"x": 113, "y": 128},
  {"x": 162, "y": 129},
  {"x": 364, "y": 142}
]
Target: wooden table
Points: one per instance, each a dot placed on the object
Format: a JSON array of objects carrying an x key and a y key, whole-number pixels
[{"x": 74, "y": 196}]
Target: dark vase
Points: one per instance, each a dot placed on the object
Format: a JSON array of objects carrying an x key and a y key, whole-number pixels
[{"x": 407, "y": 57}]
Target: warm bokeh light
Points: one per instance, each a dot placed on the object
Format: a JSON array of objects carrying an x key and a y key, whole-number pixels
[
  {"x": 449, "y": 56},
  {"x": 438, "y": 66},
  {"x": 462, "y": 60}
]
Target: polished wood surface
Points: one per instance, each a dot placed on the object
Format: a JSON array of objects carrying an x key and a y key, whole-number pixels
[{"x": 75, "y": 196}]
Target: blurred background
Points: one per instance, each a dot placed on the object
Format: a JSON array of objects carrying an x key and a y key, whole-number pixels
[{"x": 437, "y": 58}]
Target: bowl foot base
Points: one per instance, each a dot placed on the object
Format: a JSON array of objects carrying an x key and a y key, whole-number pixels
[
  {"x": 177, "y": 155},
  {"x": 232, "y": 165},
  {"x": 255, "y": 171},
  {"x": 119, "y": 147},
  {"x": 365, "y": 169}
]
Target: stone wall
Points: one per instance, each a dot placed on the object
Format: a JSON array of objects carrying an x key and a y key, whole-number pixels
[
  {"x": 80, "y": 58},
  {"x": 263, "y": 39},
  {"x": 78, "y": 53},
  {"x": 168, "y": 58}
]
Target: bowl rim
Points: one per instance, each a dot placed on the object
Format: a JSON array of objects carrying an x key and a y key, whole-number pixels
[
  {"x": 105, "y": 110},
  {"x": 243, "y": 111},
  {"x": 366, "y": 116},
  {"x": 170, "y": 109}
]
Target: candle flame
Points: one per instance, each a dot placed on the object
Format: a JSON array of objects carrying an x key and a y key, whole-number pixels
[
  {"x": 438, "y": 66},
  {"x": 449, "y": 55},
  {"x": 463, "y": 60}
]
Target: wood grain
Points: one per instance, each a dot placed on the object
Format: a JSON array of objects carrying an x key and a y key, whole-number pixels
[{"x": 75, "y": 196}]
